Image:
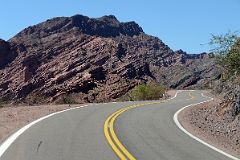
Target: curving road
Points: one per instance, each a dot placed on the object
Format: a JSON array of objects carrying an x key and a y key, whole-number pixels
[{"x": 146, "y": 131}]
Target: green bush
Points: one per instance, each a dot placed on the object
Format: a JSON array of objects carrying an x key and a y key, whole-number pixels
[
  {"x": 151, "y": 91},
  {"x": 227, "y": 51},
  {"x": 232, "y": 59}
]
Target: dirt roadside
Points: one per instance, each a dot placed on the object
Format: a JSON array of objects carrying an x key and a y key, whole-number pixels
[
  {"x": 15, "y": 117},
  {"x": 205, "y": 122}
]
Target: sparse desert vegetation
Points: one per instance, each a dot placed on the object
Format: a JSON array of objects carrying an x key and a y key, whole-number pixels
[{"x": 150, "y": 91}]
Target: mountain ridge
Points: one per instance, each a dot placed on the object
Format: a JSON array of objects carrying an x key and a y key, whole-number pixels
[{"x": 93, "y": 60}]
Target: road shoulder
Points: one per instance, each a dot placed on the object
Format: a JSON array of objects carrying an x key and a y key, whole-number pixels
[
  {"x": 201, "y": 121},
  {"x": 15, "y": 117}
]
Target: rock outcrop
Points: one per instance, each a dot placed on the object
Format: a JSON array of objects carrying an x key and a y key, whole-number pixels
[
  {"x": 230, "y": 91},
  {"x": 93, "y": 60}
]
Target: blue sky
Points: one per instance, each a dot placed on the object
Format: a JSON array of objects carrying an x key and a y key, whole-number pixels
[{"x": 181, "y": 24}]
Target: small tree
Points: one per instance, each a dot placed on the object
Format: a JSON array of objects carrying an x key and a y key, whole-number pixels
[{"x": 227, "y": 50}]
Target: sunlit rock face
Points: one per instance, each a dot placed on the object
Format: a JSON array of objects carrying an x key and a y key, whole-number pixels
[{"x": 93, "y": 60}]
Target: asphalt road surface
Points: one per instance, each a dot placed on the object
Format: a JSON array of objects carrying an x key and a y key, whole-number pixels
[{"x": 147, "y": 132}]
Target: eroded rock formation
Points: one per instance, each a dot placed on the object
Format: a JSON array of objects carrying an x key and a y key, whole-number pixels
[{"x": 92, "y": 60}]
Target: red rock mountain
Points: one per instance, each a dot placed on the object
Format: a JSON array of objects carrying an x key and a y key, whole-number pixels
[{"x": 93, "y": 60}]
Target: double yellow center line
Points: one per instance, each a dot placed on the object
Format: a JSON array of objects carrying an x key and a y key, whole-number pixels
[
  {"x": 191, "y": 96},
  {"x": 111, "y": 136}
]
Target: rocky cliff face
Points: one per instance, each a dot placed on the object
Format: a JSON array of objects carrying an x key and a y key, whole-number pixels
[{"x": 93, "y": 60}]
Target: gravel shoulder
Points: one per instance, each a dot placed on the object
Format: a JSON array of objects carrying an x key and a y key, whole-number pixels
[{"x": 207, "y": 122}]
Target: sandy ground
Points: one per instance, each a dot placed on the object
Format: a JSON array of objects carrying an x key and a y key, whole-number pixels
[{"x": 194, "y": 120}]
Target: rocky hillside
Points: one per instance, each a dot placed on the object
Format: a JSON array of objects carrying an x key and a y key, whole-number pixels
[
  {"x": 92, "y": 60},
  {"x": 230, "y": 91}
]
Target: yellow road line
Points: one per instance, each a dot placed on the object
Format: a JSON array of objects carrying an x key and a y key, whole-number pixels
[
  {"x": 190, "y": 94},
  {"x": 123, "y": 149},
  {"x": 108, "y": 137},
  {"x": 111, "y": 136}
]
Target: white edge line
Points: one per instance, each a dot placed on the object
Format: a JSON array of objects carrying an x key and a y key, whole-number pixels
[
  {"x": 178, "y": 91},
  {"x": 175, "y": 118},
  {"x": 7, "y": 143}
]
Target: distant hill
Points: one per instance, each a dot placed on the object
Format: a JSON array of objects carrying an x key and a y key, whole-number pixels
[{"x": 93, "y": 60}]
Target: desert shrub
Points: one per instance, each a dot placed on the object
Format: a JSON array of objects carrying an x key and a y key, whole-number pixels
[
  {"x": 227, "y": 51},
  {"x": 151, "y": 91},
  {"x": 126, "y": 97}
]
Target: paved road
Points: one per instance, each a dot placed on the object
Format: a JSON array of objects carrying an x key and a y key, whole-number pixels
[{"x": 147, "y": 132}]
